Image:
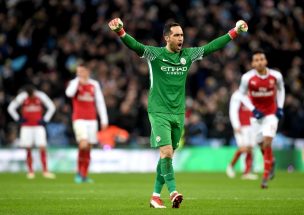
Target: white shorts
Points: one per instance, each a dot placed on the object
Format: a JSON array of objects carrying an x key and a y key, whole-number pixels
[
  {"x": 86, "y": 130},
  {"x": 244, "y": 138},
  {"x": 32, "y": 136},
  {"x": 265, "y": 127}
]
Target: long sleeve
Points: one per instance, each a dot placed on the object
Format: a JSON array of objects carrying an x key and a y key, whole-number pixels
[
  {"x": 72, "y": 88},
  {"x": 197, "y": 53},
  {"x": 243, "y": 89},
  {"x": 133, "y": 44},
  {"x": 15, "y": 104},
  {"x": 47, "y": 102},
  {"x": 216, "y": 44},
  {"x": 234, "y": 107},
  {"x": 280, "y": 91},
  {"x": 101, "y": 106}
]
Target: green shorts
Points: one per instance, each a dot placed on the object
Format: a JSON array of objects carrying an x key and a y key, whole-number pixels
[{"x": 166, "y": 129}]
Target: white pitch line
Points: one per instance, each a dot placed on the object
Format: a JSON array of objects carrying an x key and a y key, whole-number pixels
[{"x": 186, "y": 198}]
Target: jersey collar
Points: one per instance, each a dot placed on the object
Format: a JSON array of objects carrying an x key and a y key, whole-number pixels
[{"x": 262, "y": 76}]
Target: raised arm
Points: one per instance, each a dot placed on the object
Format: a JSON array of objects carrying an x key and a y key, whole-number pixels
[
  {"x": 116, "y": 25},
  {"x": 133, "y": 44},
  {"x": 220, "y": 42},
  {"x": 197, "y": 53},
  {"x": 216, "y": 44},
  {"x": 72, "y": 88}
]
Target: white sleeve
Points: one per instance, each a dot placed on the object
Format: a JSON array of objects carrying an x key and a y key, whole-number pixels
[
  {"x": 72, "y": 88},
  {"x": 280, "y": 91},
  {"x": 47, "y": 102},
  {"x": 101, "y": 106},
  {"x": 15, "y": 104},
  {"x": 243, "y": 89},
  {"x": 234, "y": 107}
]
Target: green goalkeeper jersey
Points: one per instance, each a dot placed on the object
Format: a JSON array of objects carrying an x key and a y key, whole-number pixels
[{"x": 168, "y": 72}]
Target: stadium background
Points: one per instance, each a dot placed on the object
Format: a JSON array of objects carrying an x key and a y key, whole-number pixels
[{"x": 40, "y": 42}]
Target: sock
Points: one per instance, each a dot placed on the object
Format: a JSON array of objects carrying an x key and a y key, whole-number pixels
[
  {"x": 29, "y": 160},
  {"x": 168, "y": 173},
  {"x": 43, "y": 160},
  {"x": 267, "y": 161},
  {"x": 159, "y": 180},
  {"x": 86, "y": 162},
  {"x": 235, "y": 157},
  {"x": 248, "y": 161},
  {"x": 156, "y": 194},
  {"x": 81, "y": 154}
]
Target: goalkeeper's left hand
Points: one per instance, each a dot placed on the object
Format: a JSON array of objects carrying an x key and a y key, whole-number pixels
[{"x": 240, "y": 26}]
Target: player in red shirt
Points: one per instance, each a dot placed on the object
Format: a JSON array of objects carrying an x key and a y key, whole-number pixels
[
  {"x": 32, "y": 132},
  {"x": 263, "y": 93},
  {"x": 87, "y": 101},
  {"x": 240, "y": 119}
]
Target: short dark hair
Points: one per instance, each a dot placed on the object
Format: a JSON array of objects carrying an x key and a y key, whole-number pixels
[
  {"x": 81, "y": 62},
  {"x": 29, "y": 89},
  {"x": 168, "y": 26},
  {"x": 258, "y": 51}
]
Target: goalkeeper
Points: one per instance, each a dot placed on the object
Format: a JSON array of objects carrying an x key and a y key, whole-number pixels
[{"x": 168, "y": 68}]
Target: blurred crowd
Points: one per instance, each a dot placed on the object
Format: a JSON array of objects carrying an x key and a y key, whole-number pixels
[{"x": 40, "y": 42}]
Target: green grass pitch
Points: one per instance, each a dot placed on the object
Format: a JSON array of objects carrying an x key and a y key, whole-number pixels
[{"x": 204, "y": 193}]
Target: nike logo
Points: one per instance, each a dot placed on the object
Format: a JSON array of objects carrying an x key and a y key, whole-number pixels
[
  {"x": 176, "y": 64},
  {"x": 164, "y": 175}
]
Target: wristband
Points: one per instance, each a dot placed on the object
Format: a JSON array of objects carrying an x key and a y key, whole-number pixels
[
  {"x": 121, "y": 32},
  {"x": 232, "y": 33}
]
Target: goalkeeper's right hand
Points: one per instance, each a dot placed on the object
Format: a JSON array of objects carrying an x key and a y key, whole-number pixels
[{"x": 116, "y": 25}]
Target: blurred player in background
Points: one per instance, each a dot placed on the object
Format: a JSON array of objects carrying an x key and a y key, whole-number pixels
[
  {"x": 32, "y": 121},
  {"x": 240, "y": 120},
  {"x": 263, "y": 93},
  {"x": 87, "y": 102},
  {"x": 168, "y": 67}
]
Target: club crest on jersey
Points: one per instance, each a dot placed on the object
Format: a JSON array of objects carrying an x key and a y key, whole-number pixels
[
  {"x": 183, "y": 61},
  {"x": 271, "y": 82},
  {"x": 253, "y": 82},
  {"x": 158, "y": 139}
]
